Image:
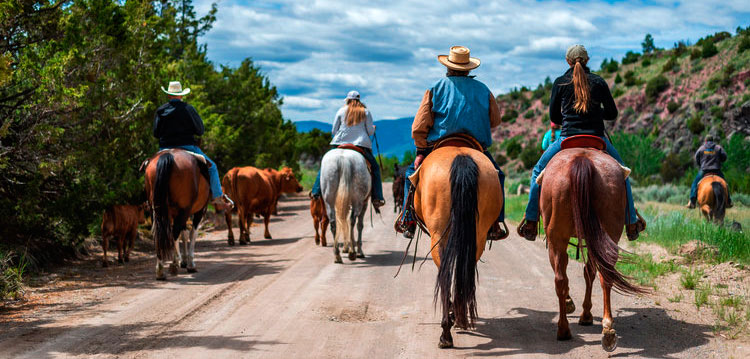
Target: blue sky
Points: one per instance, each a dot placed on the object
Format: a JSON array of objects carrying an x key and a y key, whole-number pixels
[{"x": 315, "y": 51}]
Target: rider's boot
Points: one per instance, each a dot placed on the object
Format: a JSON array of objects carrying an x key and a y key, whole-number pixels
[
  {"x": 691, "y": 204},
  {"x": 377, "y": 203},
  {"x": 498, "y": 232},
  {"x": 633, "y": 229},
  {"x": 528, "y": 229},
  {"x": 223, "y": 203},
  {"x": 405, "y": 223}
]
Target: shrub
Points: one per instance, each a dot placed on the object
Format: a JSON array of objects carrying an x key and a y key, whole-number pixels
[
  {"x": 646, "y": 61},
  {"x": 695, "y": 53},
  {"x": 510, "y": 116},
  {"x": 530, "y": 154},
  {"x": 744, "y": 43},
  {"x": 673, "y": 166},
  {"x": 612, "y": 66},
  {"x": 672, "y": 106},
  {"x": 630, "y": 57},
  {"x": 656, "y": 86},
  {"x": 545, "y": 118},
  {"x": 11, "y": 276},
  {"x": 645, "y": 158},
  {"x": 513, "y": 147},
  {"x": 630, "y": 79},
  {"x": 680, "y": 48},
  {"x": 695, "y": 125},
  {"x": 618, "y": 79},
  {"x": 717, "y": 111},
  {"x": 617, "y": 92},
  {"x": 670, "y": 65},
  {"x": 708, "y": 49},
  {"x": 539, "y": 92},
  {"x": 529, "y": 114},
  {"x": 500, "y": 159}
]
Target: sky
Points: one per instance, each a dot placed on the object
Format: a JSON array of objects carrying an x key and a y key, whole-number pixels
[{"x": 315, "y": 51}]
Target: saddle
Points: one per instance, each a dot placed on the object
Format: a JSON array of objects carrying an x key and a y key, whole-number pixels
[
  {"x": 349, "y": 146},
  {"x": 197, "y": 156},
  {"x": 583, "y": 141},
  {"x": 459, "y": 140}
]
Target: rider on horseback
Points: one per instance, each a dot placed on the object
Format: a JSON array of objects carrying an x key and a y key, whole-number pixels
[
  {"x": 353, "y": 125},
  {"x": 550, "y": 136},
  {"x": 455, "y": 104},
  {"x": 176, "y": 125},
  {"x": 580, "y": 102},
  {"x": 709, "y": 157}
]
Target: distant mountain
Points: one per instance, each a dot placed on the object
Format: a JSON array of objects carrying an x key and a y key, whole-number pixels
[{"x": 394, "y": 136}]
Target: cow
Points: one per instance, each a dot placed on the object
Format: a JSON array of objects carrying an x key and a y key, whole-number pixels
[
  {"x": 320, "y": 217},
  {"x": 255, "y": 191},
  {"x": 120, "y": 222},
  {"x": 399, "y": 175}
]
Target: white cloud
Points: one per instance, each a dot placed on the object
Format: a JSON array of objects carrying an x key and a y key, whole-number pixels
[{"x": 315, "y": 51}]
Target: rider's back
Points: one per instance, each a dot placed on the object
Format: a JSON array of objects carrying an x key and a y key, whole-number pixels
[
  {"x": 176, "y": 124},
  {"x": 601, "y": 106},
  {"x": 461, "y": 104}
]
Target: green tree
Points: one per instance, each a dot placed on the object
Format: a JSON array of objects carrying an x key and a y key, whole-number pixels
[{"x": 648, "y": 44}]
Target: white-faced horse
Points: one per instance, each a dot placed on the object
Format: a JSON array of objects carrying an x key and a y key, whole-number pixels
[{"x": 345, "y": 183}]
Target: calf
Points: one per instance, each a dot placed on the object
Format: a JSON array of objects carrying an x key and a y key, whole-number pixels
[
  {"x": 120, "y": 222},
  {"x": 320, "y": 217},
  {"x": 399, "y": 176}
]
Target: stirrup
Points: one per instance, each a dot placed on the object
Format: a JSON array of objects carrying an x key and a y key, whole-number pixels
[
  {"x": 527, "y": 229},
  {"x": 496, "y": 233},
  {"x": 228, "y": 201}
]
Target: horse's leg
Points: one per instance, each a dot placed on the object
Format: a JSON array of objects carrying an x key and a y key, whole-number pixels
[
  {"x": 184, "y": 238},
  {"x": 352, "y": 243},
  {"x": 230, "y": 235},
  {"x": 130, "y": 243},
  {"x": 323, "y": 229},
  {"x": 609, "y": 336},
  {"x": 105, "y": 244},
  {"x": 266, "y": 218},
  {"x": 316, "y": 223},
  {"x": 589, "y": 274},
  {"x": 120, "y": 242},
  {"x": 360, "y": 225},
  {"x": 176, "y": 258},
  {"x": 446, "y": 339},
  {"x": 193, "y": 236},
  {"x": 558, "y": 258},
  {"x": 242, "y": 220}
]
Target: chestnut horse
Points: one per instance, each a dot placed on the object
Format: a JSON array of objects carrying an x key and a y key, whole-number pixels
[
  {"x": 712, "y": 198},
  {"x": 583, "y": 196},
  {"x": 457, "y": 194},
  {"x": 177, "y": 188}
]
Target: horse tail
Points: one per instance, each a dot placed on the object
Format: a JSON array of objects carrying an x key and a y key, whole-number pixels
[
  {"x": 162, "y": 232},
  {"x": 343, "y": 199},
  {"x": 719, "y": 199},
  {"x": 458, "y": 260},
  {"x": 602, "y": 250}
]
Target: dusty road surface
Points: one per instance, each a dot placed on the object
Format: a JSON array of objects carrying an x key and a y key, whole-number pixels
[{"x": 285, "y": 298}]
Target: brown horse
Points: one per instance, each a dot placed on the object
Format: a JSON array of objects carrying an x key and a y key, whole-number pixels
[
  {"x": 712, "y": 198},
  {"x": 458, "y": 195},
  {"x": 583, "y": 196},
  {"x": 255, "y": 191},
  {"x": 399, "y": 178},
  {"x": 320, "y": 219},
  {"x": 177, "y": 188}
]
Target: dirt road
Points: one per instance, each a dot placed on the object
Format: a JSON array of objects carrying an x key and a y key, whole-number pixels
[{"x": 285, "y": 298}]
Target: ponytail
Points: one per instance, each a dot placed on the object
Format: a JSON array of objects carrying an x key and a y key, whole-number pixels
[
  {"x": 581, "y": 88},
  {"x": 552, "y": 135}
]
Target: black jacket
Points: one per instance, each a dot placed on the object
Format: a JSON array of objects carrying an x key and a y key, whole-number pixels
[
  {"x": 710, "y": 156},
  {"x": 601, "y": 106},
  {"x": 177, "y": 124}
]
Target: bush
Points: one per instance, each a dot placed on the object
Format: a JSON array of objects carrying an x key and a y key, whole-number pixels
[
  {"x": 672, "y": 106},
  {"x": 500, "y": 159},
  {"x": 717, "y": 111},
  {"x": 680, "y": 48},
  {"x": 639, "y": 153},
  {"x": 11, "y": 276},
  {"x": 735, "y": 168},
  {"x": 695, "y": 125},
  {"x": 630, "y": 58},
  {"x": 673, "y": 166},
  {"x": 695, "y": 53},
  {"x": 708, "y": 49},
  {"x": 530, "y": 154},
  {"x": 630, "y": 79},
  {"x": 618, "y": 79},
  {"x": 670, "y": 65},
  {"x": 656, "y": 86},
  {"x": 528, "y": 114},
  {"x": 617, "y": 92},
  {"x": 510, "y": 116},
  {"x": 513, "y": 147},
  {"x": 744, "y": 44},
  {"x": 646, "y": 61}
]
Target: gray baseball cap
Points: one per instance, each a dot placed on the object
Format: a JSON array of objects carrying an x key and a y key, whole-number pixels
[
  {"x": 576, "y": 51},
  {"x": 352, "y": 95}
]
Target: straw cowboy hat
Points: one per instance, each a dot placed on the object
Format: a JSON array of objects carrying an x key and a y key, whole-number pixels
[
  {"x": 175, "y": 89},
  {"x": 459, "y": 59}
]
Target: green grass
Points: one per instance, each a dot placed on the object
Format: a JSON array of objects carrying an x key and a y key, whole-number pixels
[
  {"x": 643, "y": 269},
  {"x": 701, "y": 295},
  {"x": 307, "y": 177},
  {"x": 515, "y": 206},
  {"x": 690, "y": 278},
  {"x": 11, "y": 275}
]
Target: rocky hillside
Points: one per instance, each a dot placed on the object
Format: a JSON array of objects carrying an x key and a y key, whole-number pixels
[{"x": 672, "y": 97}]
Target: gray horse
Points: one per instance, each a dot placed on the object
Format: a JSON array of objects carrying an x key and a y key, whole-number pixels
[{"x": 345, "y": 183}]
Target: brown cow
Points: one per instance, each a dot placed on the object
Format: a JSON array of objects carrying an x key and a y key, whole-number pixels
[
  {"x": 255, "y": 191},
  {"x": 121, "y": 222},
  {"x": 320, "y": 217}
]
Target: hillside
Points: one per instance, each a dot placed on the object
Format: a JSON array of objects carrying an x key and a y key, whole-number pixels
[
  {"x": 394, "y": 136},
  {"x": 668, "y": 100}
]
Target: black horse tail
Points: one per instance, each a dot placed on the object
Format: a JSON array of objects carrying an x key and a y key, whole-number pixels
[
  {"x": 162, "y": 231},
  {"x": 457, "y": 273},
  {"x": 602, "y": 250},
  {"x": 720, "y": 200}
]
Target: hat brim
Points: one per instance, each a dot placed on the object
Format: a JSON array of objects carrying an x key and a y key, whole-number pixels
[
  {"x": 472, "y": 64},
  {"x": 183, "y": 93}
]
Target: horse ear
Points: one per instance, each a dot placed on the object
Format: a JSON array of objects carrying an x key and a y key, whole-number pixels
[{"x": 144, "y": 164}]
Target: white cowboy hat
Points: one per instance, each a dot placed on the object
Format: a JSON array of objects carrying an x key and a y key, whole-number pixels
[
  {"x": 175, "y": 89},
  {"x": 459, "y": 59}
]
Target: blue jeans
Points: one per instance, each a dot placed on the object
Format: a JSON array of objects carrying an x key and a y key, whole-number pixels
[
  {"x": 377, "y": 183},
  {"x": 410, "y": 171},
  {"x": 532, "y": 208},
  {"x": 698, "y": 177},
  {"x": 213, "y": 172}
]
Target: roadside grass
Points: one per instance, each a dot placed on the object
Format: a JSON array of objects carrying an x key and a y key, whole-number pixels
[
  {"x": 643, "y": 269},
  {"x": 307, "y": 177},
  {"x": 515, "y": 206},
  {"x": 11, "y": 275},
  {"x": 690, "y": 278}
]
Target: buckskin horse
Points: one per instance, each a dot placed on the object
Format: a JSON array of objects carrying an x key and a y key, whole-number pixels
[
  {"x": 345, "y": 183},
  {"x": 712, "y": 198},
  {"x": 583, "y": 196},
  {"x": 457, "y": 194},
  {"x": 255, "y": 191},
  {"x": 177, "y": 188}
]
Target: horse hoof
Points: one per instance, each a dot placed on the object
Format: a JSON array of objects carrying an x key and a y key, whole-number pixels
[
  {"x": 230, "y": 242},
  {"x": 162, "y": 277},
  {"x": 183, "y": 265},
  {"x": 564, "y": 335},
  {"x": 445, "y": 342},
  {"x": 192, "y": 270},
  {"x": 127, "y": 259},
  {"x": 609, "y": 340},
  {"x": 173, "y": 269},
  {"x": 317, "y": 241},
  {"x": 586, "y": 320},
  {"x": 338, "y": 260},
  {"x": 119, "y": 260},
  {"x": 352, "y": 256},
  {"x": 267, "y": 236},
  {"x": 345, "y": 250},
  {"x": 570, "y": 307},
  {"x": 323, "y": 244},
  {"x": 244, "y": 243},
  {"x": 360, "y": 255}
]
